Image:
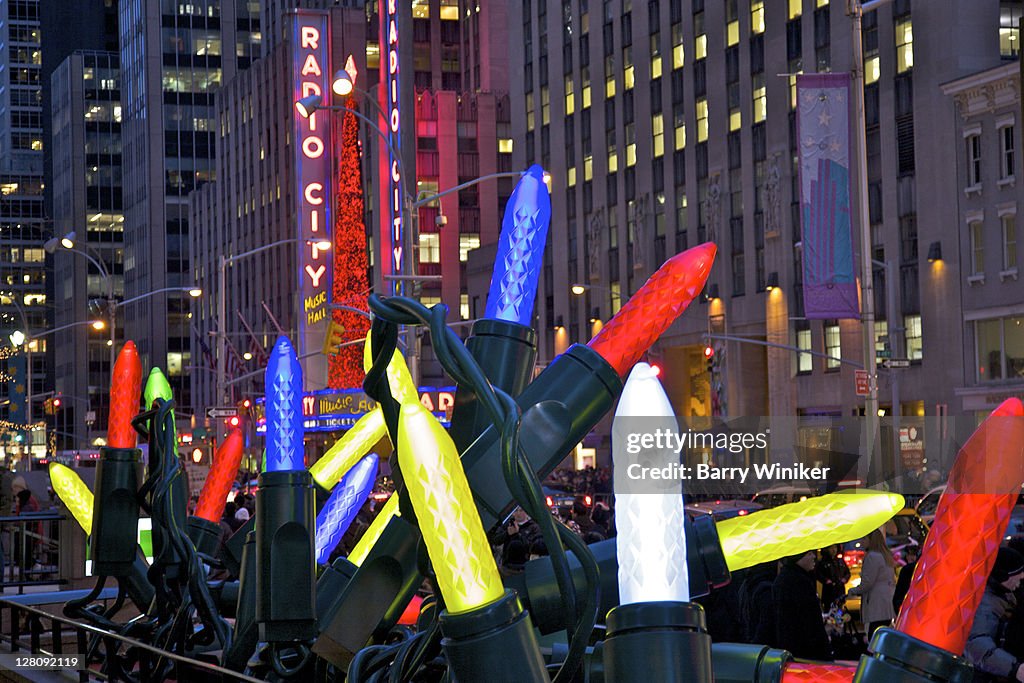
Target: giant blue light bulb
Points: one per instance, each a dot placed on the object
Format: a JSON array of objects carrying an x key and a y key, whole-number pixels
[
  {"x": 284, "y": 409},
  {"x": 343, "y": 506},
  {"x": 524, "y": 230}
]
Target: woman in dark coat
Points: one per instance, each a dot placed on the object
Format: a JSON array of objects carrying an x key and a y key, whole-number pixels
[{"x": 798, "y": 624}]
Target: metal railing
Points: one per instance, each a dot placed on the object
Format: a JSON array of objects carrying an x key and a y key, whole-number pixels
[{"x": 30, "y": 550}]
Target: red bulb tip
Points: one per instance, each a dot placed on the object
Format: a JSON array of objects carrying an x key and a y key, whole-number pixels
[
  {"x": 657, "y": 304},
  {"x": 125, "y": 392},
  {"x": 222, "y": 475}
]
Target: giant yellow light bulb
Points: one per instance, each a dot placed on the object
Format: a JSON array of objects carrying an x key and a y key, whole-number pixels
[
  {"x": 74, "y": 493},
  {"x": 810, "y": 524},
  {"x": 447, "y": 515},
  {"x": 349, "y": 449},
  {"x": 399, "y": 379},
  {"x": 373, "y": 532}
]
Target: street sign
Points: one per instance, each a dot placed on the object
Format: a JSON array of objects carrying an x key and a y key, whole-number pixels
[
  {"x": 862, "y": 381},
  {"x": 223, "y": 411},
  {"x": 896, "y": 363}
]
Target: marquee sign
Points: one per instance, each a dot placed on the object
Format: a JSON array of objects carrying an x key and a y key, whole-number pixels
[
  {"x": 311, "y": 75},
  {"x": 332, "y": 410},
  {"x": 391, "y": 171}
]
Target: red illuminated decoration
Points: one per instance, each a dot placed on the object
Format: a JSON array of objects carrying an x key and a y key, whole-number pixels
[
  {"x": 970, "y": 522},
  {"x": 345, "y": 368},
  {"x": 125, "y": 392},
  {"x": 222, "y": 475},
  {"x": 797, "y": 672},
  {"x": 651, "y": 311}
]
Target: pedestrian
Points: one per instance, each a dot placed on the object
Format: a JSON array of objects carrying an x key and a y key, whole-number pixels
[
  {"x": 799, "y": 627},
  {"x": 912, "y": 552},
  {"x": 832, "y": 573},
  {"x": 757, "y": 610},
  {"x": 987, "y": 644},
  {"x": 877, "y": 584},
  {"x": 242, "y": 516},
  {"x": 25, "y": 503}
]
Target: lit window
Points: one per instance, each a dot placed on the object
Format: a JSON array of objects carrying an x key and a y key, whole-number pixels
[
  {"x": 1009, "y": 224},
  {"x": 973, "y": 160},
  {"x": 732, "y": 33},
  {"x": 464, "y": 306},
  {"x": 795, "y": 8},
  {"x": 630, "y": 144},
  {"x": 505, "y": 145},
  {"x": 821, "y": 3},
  {"x": 467, "y": 242},
  {"x": 174, "y": 364},
  {"x": 735, "y": 120},
  {"x": 529, "y": 111},
  {"x": 613, "y": 159},
  {"x": 571, "y": 177},
  {"x": 904, "y": 46},
  {"x": 627, "y": 68},
  {"x": 658, "y": 130},
  {"x": 882, "y": 350},
  {"x": 430, "y": 247},
  {"x": 760, "y": 101},
  {"x": 872, "y": 70},
  {"x": 792, "y": 89},
  {"x": 1006, "y": 152},
  {"x": 757, "y": 16},
  {"x": 585, "y": 90},
  {"x": 429, "y": 301},
  {"x": 680, "y": 136},
  {"x": 833, "y": 347},
  {"x": 570, "y": 98},
  {"x": 678, "y": 58},
  {"x": 545, "y": 106},
  {"x": 702, "y": 120},
  {"x": 615, "y": 292},
  {"x": 588, "y": 167},
  {"x": 655, "y": 58},
  {"x": 1009, "y": 28},
  {"x": 700, "y": 47},
  {"x": 804, "y": 361},
  {"x": 976, "y": 231},
  {"x": 912, "y": 336},
  {"x": 1000, "y": 344},
  {"x": 609, "y": 86}
]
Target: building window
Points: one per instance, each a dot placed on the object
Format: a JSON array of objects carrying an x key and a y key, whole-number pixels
[
  {"x": 872, "y": 70},
  {"x": 464, "y": 306},
  {"x": 735, "y": 120},
  {"x": 976, "y": 231},
  {"x": 505, "y": 145},
  {"x": 655, "y": 57},
  {"x": 609, "y": 77},
  {"x": 700, "y": 41},
  {"x": 615, "y": 296},
  {"x": 904, "y": 46},
  {"x": 732, "y": 33},
  {"x": 882, "y": 349},
  {"x": 1009, "y": 28},
  {"x": 678, "y": 56},
  {"x": 912, "y": 340},
  {"x": 795, "y": 8},
  {"x": 545, "y": 106},
  {"x": 1006, "y": 152},
  {"x": 833, "y": 346},
  {"x": 739, "y": 274},
  {"x": 760, "y": 99},
  {"x": 658, "y": 130},
  {"x": 974, "y": 160},
  {"x": 680, "y": 131},
  {"x": 630, "y": 144},
  {"x": 756, "y": 16},
  {"x": 570, "y": 97},
  {"x": 804, "y": 361},
  {"x": 1000, "y": 343},
  {"x": 1009, "y": 224},
  {"x": 529, "y": 111},
  {"x": 430, "y": 247},
  {"x": 613, "y": 158},
  {"x": 702, "y": 120},
  {"x": 627, "y": 68},
  {"x": 467, "y": 242},
  {"x": 585, "y": 89}
]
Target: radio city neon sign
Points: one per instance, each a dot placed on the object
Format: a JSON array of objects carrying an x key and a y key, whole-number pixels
[{"x": 389, "y": 37}]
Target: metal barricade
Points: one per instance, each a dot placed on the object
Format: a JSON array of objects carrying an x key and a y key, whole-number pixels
[{"x": 30, "y": 550}]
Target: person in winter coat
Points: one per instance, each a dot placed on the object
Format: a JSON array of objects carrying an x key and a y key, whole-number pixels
[
  {"x": 799, "y": 627},
  {"x": 877, "y": 584},
  {"x": 986, "y": 645},
  {"x": 757, "y": 611},
  {"x": 832, "y": 574}
]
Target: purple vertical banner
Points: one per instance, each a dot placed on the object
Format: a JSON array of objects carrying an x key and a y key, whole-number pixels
[{"x": 823, "y": 131}]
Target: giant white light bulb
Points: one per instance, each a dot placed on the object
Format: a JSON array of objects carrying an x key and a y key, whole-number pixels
[{"x": 649, "y": 513}]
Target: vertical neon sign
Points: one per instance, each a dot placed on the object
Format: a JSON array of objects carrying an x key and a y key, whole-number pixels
[
  {"x": 311, "y": 73},
  {"x": 391, "y": 173}
]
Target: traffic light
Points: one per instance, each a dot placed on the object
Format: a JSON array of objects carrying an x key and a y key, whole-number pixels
[
  {"x": 333, "y": 339},
  {"x": 233, "y": 421},
  {"x": 57, "y": 402},
  {"x": 245, "y": 404},
  {"x": 709, "y": 357},
  {"x": 197, "y": 455}
]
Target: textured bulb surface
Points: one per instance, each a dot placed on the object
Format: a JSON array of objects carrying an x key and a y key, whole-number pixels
[
  {"x": 157, "y": 386},
  {"x": 369, "y": 538},
  {"x": 400, "y": 381},
  {"x": 524, "y": 230},
  {"x": 650, "y": 521},
  {"x": 226, "y": 462},
  {"x": 970, "y": 523},
  {"x": 346, "y": 451},
  {"x": 649, "y": 312},
  {"x": 125, "y": 391},
  {"x": 342, "y": 507},
  {"x": 76, "y": 496},
  {"x": 802, "y": 672},
  {"x": 447, "y": 514},
  {"x": 810, "y": 524},
  {"x": 284, "y": 409}
]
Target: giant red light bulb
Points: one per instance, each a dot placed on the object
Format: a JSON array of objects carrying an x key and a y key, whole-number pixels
[
  {"x": 802, "y": 672},
  {"x": 654, "y": 307},
  {"x": 125, "y": 391},
  {"x": 970, "y": 522},
  {"x": 214, "y": 495}
]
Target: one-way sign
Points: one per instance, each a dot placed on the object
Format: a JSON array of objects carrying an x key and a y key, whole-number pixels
[
  {"x": 224, "y": 411},
  {"x": 892, "y": 363}
]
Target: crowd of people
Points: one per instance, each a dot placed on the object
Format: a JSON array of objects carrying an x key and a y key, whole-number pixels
[{"x": 586, "y": 480}]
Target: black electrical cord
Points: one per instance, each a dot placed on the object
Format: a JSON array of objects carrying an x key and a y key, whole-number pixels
[{"x": 519, "y": 476}]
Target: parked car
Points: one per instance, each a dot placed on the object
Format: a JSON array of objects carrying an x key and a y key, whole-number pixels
[
  {"x": 904, "y": 529},
  {"x": 723, "y": 509}
]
